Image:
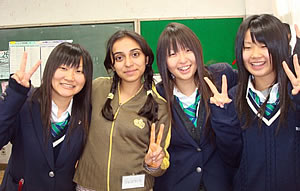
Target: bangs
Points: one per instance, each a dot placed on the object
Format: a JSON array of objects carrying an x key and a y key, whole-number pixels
[
  {"x": 177, "y": 41},
  {"x": 70, "y": 58},
  {"x": 258, "y": 33}
]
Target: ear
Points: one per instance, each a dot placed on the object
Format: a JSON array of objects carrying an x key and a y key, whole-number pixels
[{"x": 147, "y": 60}]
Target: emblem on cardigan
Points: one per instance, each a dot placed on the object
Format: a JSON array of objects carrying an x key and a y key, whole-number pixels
[{"x": 139, "y": 123}]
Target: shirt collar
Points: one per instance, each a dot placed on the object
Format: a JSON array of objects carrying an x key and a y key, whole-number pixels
[
  {"x": 185, "y": 100},
  {"x": 64, "y": 115},
  {"x": 273, "y": 91}
]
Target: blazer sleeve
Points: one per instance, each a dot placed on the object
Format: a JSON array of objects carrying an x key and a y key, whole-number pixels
[
  {"x": 11, "y": 102},
  {"x": 226, "y": 125}
]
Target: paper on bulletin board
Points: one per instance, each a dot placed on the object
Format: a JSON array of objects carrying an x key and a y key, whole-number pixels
[
  {"x": 4, "y": 65},
  {"x": 36, "y": 50}
]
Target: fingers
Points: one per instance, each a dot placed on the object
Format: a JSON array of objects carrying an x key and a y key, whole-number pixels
[
  {"x": 23, "y": 62},
  {"x": 224, "y": 85},
  {"x": 288, "y": 72},
  {"x": 152, "y": 134},
  {"x": 34, "y": 68},
  {"x": 296, "y": 65},
  {"x": 212, "y": 87},
  {"x": 160, "y": 134},
  {"x": 297, "y": 30}
]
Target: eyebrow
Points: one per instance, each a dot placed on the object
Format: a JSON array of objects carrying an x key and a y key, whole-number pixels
[{"x": 134, "y": 49}]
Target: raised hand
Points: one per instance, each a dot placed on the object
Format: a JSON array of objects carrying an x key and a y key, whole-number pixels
[
  {"x": 23, "y": 77},
  {"x": 155, "y": 154},
  {"x": 297, "y": 30},
  {"x": 219, "y": 99},
  {"x": 295, "y": 80}
]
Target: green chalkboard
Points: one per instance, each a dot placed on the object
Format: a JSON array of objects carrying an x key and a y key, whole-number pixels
[
  {"x": 217, "y": 36},
  {"x": 91, "y": 36}
]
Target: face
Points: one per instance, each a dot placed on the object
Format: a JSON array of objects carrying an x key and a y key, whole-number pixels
[
  {"x": 67, "y": 81},
  {"x": 130, "y": 61},
  {"x": 182, "y": 64},
  {"x": 257, "y": 59}
]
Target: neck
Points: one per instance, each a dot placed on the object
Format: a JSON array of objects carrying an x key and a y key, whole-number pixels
[
  {"x": 128, "y": 90},
  {"x": 261, "y": 83},
  {"x": 187, "y": 87},
  {"x": 62, "y": 104}
]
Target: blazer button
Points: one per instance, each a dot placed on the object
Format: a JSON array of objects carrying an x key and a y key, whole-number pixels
[
  {"x": 198, "y": 169},
  {"x": 198, "y": 149},
  {"x": 51, "y": 174}
]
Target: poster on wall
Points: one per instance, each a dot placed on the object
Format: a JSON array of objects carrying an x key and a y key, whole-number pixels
[
  {"x": 36, "y": 50},
  {"x": 4, "y": 65}
]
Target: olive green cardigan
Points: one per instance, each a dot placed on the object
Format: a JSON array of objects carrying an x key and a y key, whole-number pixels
[{"x": 117, "y": 148}]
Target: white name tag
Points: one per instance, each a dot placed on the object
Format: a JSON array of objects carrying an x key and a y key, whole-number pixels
[{"x": 133, "y": 181}]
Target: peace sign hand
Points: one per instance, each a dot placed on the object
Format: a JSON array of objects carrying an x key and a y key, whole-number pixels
[
  {"x": 219, "y": 99},
  {"x": 295, "y": 80},
  {"x": 23, "y": 77},
  {"x": 155, "y": 154}
]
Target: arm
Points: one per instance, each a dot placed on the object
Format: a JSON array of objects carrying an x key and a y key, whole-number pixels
[
  {"x": 12, "y": 101},
  {"x": 225, "y": 123}
]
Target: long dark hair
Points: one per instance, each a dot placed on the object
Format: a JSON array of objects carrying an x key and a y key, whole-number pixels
[
  {"x": 178, "y": 34},
  {"x": 150, "y": 108},
  {"x": 265, "y": 29},
  {"x": 68, "y": 54}
]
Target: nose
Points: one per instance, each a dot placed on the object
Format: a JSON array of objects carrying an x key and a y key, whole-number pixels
[
  {"x": 182, "y": 57},
  {"x": 128, "y": 62},
  {"x": 69, "y": 75},
  {"x": 256, "y": 53}
]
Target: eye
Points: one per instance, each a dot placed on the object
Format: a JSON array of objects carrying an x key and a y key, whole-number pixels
[
  {"x": 247, "y": 47},
  {"x": 79, "y": 71},
  {"x": 135, "y": 54},
  {"x": 118, "y": 58},
  {"x": 172, "y": 53},
  {"x": 188, "y": 50},
  {"x": 63, "y": 68}
]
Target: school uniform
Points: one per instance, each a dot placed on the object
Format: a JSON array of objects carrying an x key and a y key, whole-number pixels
[
  {"x": 33, "y": 159},
  {"x": 194, "y": 159},
  {"x": 270, "y": 160}
]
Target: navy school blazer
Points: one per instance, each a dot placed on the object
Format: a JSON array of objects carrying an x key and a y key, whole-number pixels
[
  {"x": 192, "y": 163},
  {"x": 32, "y": 157}
]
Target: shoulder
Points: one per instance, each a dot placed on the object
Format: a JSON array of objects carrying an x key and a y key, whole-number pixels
[
  {"x": 102, "y": 82},
  {"x": 160, "y": 89},
  {"x": 219, "y": 69}
]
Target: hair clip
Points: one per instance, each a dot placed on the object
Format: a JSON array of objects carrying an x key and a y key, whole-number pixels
[
  {"x": 149, "y": 92},
  {"x": 110, "y": 96}
]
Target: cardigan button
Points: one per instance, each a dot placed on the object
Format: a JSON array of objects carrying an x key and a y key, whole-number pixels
[
  {"x": 51, "y": 174},
  {"x": 198, "y": 169},
  {"x": 199, "y": 149}
]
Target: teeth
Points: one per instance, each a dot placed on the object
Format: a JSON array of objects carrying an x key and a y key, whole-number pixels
[
  {"x": 184, "y": 68},
  {"x": 257, "y": 63},
  {"x": 68, "y": 85}
]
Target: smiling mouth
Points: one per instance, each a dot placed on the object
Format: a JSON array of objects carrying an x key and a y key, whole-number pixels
[
  {"x": 184, "y": 68},
  {"x": 257, "y": 63},
  {"x": 68, "y": 85}
]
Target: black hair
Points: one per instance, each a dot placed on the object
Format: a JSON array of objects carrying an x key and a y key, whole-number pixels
[
  {"x": 150, "y": 108},
  {"x": 265, "y": 29}
]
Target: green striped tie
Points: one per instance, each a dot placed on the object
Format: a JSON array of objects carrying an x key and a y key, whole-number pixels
[
  {"x": 191, "y": 110},
  {"x": 269, "y": 107}
]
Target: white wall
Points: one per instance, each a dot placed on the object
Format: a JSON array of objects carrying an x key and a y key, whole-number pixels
[{"x": 45, "y": 12}]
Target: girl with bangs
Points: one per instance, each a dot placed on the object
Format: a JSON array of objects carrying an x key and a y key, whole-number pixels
[
  {"x": 122, "y": 151},
  {"x": 265, "y": 106},
  {"x": 195, "y": 162},
  {"x": 48, "y": 125}
]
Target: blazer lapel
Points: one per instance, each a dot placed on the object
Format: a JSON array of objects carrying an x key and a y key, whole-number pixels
[
  {"x": 38, "y": 126},
  {"x": 69, "y": 144}
]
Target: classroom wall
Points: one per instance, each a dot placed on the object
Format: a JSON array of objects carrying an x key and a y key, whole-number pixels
[{"x": 45, "y": 12}]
